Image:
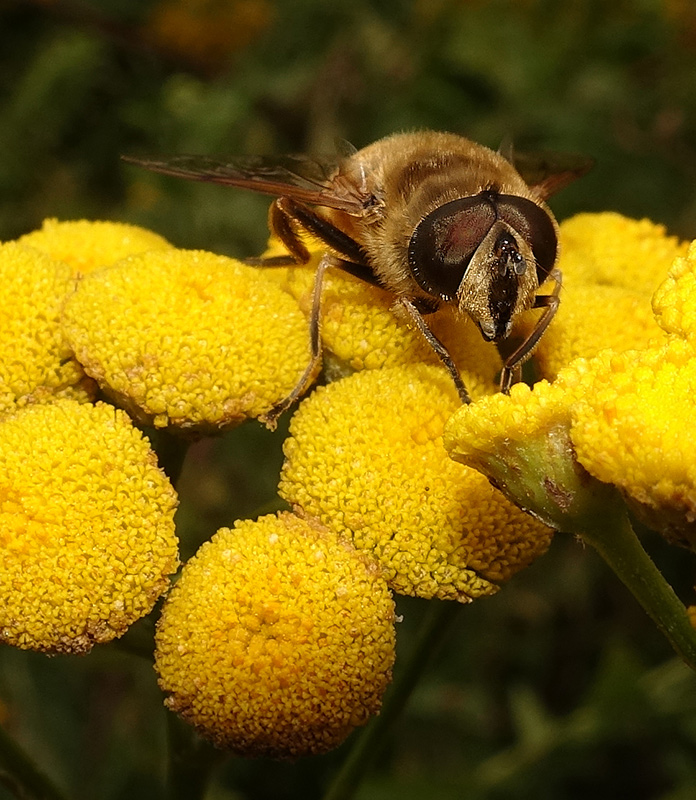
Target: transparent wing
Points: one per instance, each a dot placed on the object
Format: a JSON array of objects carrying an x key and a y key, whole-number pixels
[
  {"x": 548, "y": 173},
  {"x": 309, "y": 180}
]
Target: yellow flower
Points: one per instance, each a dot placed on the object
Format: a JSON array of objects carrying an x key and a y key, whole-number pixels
[
  {"x": 87, "y": 245},
  {"x": 611, "y": 265},
  {"x": 522, "y": 443},
  {"x": 365, "y": 457},
  {"x": 207, "y": 32},
  {"x": 674, "y": 301},
  {"x": 86, "y": 527},
  {"x": 277, "y": 640},
  {"x": 36, "y": 363},
  {"x": 633, "y": 427},
  {"x": 591, "y": 318},
  {"x": 187, "y": 338},
  {"x": 613, "y": 250}
]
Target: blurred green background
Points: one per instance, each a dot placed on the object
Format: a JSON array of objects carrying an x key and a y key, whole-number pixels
[{"x": 559, "y": 687}]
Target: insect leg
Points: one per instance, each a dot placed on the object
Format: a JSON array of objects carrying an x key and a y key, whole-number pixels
[
  {"x": 439, "y": 348},
  {"x": 287, "y": 218},
  {"x": 514, "y": 362},
  {"x": 271, "y": 418}
]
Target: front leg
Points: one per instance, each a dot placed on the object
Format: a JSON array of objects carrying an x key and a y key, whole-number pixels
[
  {"x": 513, "y": 363},
  {"x": 442, "y": 353},
  {"x": 287, "y": 219},
  {"x": 271, "y": 418}
]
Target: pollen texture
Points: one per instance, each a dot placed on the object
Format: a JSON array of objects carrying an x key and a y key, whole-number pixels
[
  {"x": 188, "y": 339},
  {"x": 633, "y": 426},
  {"x": 613, "y": 250},
  {"x": 277, "y": 640},
  {"x": 366, "y": 457},
  {"x": 87, "y": 245},
  {"x": 36, "y": 363},
  {"x": 86, "y": 527}
]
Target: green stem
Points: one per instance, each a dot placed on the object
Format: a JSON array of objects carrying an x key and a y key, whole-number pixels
[
  {"x": 19, "y": 772},
  {"x": 615, "y": 540},
  {"x": 171, "y": 452},
  {"x": 139, "y": 639},
  {"x": 191, "y": 761},
  {"x": 366, "y": 748}
]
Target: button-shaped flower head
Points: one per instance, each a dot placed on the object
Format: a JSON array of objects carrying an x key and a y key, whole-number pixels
[
  {"x": 611, "y": 265},
  {"x": 612, "y": 250},
  {"x": 674, "y": 301},
  {"x": 87, "y": 245},
  {"x": 277, "y": 640},
  {"x": 188, "y": 339},
  {"x": 86, "y": 526},
  {"x": 366, "y": 458},
  {"x": 36, "y": 363},
  {"x": 522, "y": 443},
  {"x": 633, "y": 427}
]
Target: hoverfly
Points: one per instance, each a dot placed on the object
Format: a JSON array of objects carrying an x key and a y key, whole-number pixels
[{"x": 432, "y": 217}]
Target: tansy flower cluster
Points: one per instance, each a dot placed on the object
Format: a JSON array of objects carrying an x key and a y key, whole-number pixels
[
  {"x": 624, "y": 414},
  {"x": 278, "y": 638}
]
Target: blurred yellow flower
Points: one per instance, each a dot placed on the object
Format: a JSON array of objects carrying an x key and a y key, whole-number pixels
[
  {"x": 188, "y": 339},
  {"x": 613, "y": 250},
  {"x": 365, "y": 457},
  {"x": 36, "y": 363},
  {"x": 611, "y": 264},
  {"x": 87, "y": 245},
  {"x": 86, "y": 527},
  {"x": 207, "y": 32},
  {"x": 277, "y": 640}
]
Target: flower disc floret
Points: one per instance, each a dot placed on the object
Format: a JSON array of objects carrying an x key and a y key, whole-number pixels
[
  {"x": 36, "y": 363},
  {"x": 188, "y": 338},
  {"x": 674, "y": 301},
  {"x": 87, "y": 245},
  {"x": 522, "y": 443},
  {"x": 86, "y": 526},
  {"x": 634, "y": 428},
  {"x": 277, "y": 640},
  {"x": 593, "y": 317},
  {"x": 365, "y": 456}
]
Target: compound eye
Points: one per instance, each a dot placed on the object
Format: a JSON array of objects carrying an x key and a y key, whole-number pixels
[
  {"x": 534, "y": 225},
  {"x": 445, "y": 241}
]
